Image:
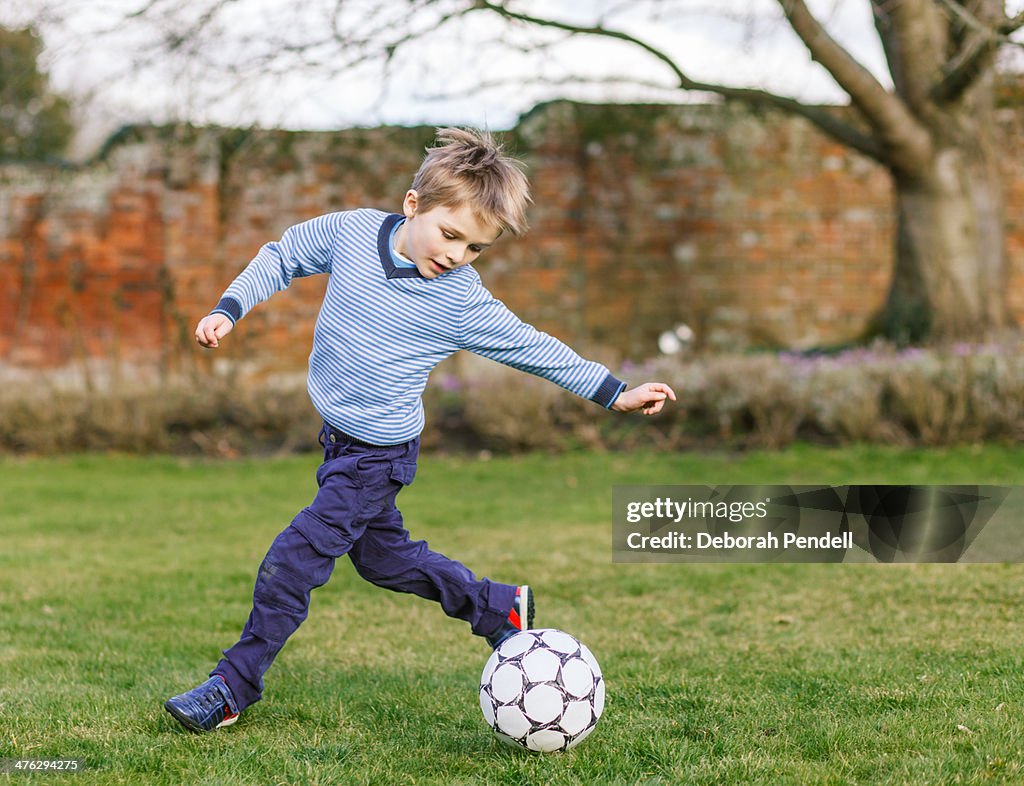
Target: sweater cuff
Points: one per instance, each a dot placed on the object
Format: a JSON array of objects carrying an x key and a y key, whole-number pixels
[
  {"x": 230, "y": 308},
  {"x": 609, "y": 390}
]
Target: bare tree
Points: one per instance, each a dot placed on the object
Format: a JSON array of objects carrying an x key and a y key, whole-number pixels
[{"x": 933, "y": 130}]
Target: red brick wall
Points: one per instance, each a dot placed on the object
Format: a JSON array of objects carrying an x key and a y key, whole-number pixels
[{"x": 752, "y": 229}]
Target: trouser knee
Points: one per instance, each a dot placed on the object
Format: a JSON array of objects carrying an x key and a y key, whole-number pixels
[{"x": 291, "y": 569}]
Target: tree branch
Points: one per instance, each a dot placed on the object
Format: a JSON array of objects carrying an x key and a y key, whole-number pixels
[
  {"x": 1013, "y": 24},
  {"x": 599, "y": 30},
  {"x": 177, "y": 40},
  {"x": 545, "y": 81},
  {"x": 898, "y": 129},
  {"x": 843, "y": 132},
  {"x": 1000, "y": 33},
  {"x": 959, "y": 73},
  {"x": 980, "y": 44},
  {"x": 143, "y": 11},
  {"x": 820, "y": 116},
  {"x": 965, "y": 16}
]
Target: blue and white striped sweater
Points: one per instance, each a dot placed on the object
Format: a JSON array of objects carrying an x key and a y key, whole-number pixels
[{"x": 382, "y": 329}]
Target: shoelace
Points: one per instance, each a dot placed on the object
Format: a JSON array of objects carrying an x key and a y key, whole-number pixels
[{"x": 211, "y": 699}]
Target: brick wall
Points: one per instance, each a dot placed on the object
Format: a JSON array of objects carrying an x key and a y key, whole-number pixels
[{"x": 754, "y": 229}]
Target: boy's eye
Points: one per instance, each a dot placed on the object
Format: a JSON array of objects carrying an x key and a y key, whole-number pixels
[
  {"x": 475, "y": 249},
  {"x": 448, "y": 235}
]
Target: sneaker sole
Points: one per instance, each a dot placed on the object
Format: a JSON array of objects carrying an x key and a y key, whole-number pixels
[{"x": 525, "y": 590}]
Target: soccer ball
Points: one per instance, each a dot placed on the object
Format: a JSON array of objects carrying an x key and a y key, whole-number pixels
[{"x": 542, "y": 689}]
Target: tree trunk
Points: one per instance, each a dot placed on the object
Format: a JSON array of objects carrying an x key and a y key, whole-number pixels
[{"x": 950, "y": 277}]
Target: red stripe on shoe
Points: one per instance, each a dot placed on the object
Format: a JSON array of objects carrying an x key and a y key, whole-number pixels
[{"x": 513, "y": 617}]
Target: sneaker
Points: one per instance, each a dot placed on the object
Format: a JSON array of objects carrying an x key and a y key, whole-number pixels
[
  {"x": 515, "y": 622},
  {"x": 205, "y": 708}
]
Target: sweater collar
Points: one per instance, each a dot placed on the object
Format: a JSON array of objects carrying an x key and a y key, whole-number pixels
[{"x": 391, "y": 270}]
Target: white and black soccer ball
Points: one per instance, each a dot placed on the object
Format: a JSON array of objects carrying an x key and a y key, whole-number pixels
[{"x": 543, "y": 690}]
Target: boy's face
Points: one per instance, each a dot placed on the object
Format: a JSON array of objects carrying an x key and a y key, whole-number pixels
[{"x": 443, "y": 238}]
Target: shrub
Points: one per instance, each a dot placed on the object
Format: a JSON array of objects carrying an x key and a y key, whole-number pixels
[
  {"x": 879, "y": 394},
  {"x": 215, "y": 416},
  {"x": 512, "y": 411}
]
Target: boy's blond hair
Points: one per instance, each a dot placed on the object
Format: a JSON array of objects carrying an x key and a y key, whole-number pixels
[{"x": 468, "y": 167}]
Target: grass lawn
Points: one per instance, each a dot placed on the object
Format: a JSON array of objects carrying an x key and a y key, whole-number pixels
[{"x": 121, "y": 578}]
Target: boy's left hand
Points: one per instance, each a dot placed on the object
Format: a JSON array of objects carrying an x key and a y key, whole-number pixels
[{"x": 649, "y": 398}]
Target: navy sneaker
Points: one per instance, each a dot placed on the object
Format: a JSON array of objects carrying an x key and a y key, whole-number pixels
[
  {"x": 519, "y": 618},
  {"x": 205, "y": 708}
]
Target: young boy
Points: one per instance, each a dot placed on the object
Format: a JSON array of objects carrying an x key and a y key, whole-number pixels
[{"x": 401, "y": 297}]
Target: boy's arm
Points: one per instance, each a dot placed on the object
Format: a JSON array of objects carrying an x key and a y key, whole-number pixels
[
  {"x": 303, "y": 250},
  {"x": 489, "y": 329}
]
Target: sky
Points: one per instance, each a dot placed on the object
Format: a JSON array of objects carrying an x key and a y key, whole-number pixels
[{"x": 254, "y": 65}]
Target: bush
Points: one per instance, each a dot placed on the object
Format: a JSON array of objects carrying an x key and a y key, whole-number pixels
[
  {"x": 512, "y": 411},
  {"x": 937, "y": 396},
  {"x": 880, "y": 394},
  {"x": 215, "y": 416}
]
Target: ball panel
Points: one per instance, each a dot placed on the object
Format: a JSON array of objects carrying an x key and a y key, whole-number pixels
[
  {"x": 489, "y": 667},
  {"x": 588, "y": 656},
  {"x": 543, "y": 703},
  {"x": 516, "y": 644},
  {"x": 487, "y": 707},
  {"x": 507, "y": 683},
  {"x": 599, "y": 700},
  {"x": 540, "y": 665},
  {"x": 546, "y": 741},
  {"x": 577, "y": 717},
  {"x": 511, "y": 721},
  {"x": 560, "y": 641},
  {"x": 578, "y": 678}
]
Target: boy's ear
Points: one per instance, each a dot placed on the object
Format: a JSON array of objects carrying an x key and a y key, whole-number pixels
[{"x": 411, "y": 203}]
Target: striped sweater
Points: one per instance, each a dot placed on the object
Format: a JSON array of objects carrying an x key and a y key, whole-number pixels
[{"x": 382, "y": 329}]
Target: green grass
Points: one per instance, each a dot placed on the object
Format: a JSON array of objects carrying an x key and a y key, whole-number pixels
[{"x": 121, "y": 578}]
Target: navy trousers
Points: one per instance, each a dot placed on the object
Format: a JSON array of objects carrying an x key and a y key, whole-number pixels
[{"x": 353, "y": 513}]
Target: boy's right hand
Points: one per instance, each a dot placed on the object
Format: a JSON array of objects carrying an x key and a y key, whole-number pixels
[{"x": 212, "y": 329}]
